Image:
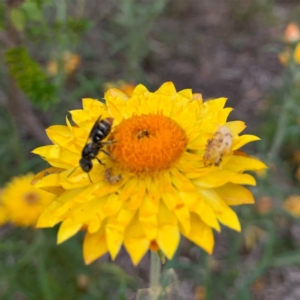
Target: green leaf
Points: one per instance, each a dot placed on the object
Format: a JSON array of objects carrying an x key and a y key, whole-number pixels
[
  {"x": 31, "y": 11},
  {"x": 17, "y": 18},
  {"x": 30, "y": 77}
]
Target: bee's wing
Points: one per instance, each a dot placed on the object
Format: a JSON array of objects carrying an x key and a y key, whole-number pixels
[{"x": 93, "y": 129}]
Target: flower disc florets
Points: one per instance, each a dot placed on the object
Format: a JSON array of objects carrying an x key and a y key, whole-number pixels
[
  {"x": 171, "y": 166},
  {"x": 147, "y": 143}
]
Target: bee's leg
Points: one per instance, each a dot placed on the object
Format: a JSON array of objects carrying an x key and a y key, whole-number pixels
[
  {"x": 99, "y": 161},
  {"x": 108, "y": 142},
  {"x": 108, "y": 154}
]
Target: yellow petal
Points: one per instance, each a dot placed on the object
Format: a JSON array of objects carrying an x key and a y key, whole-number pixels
[
  {"x": 67, "y": 229},
  {"x": 187, "y": 93},
  {"x": 114, "y": 239},
  {"x": 297, "y": 54},
  {"x": 47, "y": 217},
  {"x": 89, "y": 213},
  {"x": 149, "y": 225},
  {"x": 58, "y": 131},
  {"x": 139, "y": 90},
  {"x": 94, "y": 245},
  {"x": 112, "y": 205},
  {"x": 201, "y": 234},
  {"x": 223, "y": 115},
  {"x": 207, "y": 215},
  {"x": 136, "y": 198},
  {"x": 148, "y": 207},
  {"x": 58, "y": 157},
  {"x": 237, "y": 163},
  {"x": 168, "y": 238},
  {"x": 181, "y": 182},
  {"x": 222, "y": 211},
  {"x": 198, "y": 97},
  {"x": 214, "y": 105},
  {"x": 128, "y": 189},
  {"x": 172, "y": 200},
  {"x": 234, "y": 194},
  {"x": 117, "y": 108},
  {"x": 38, "y": 181},
  {"x": 46, "y": 172},
  {"x": 242, "y": 140},
  {"x": 50, "y": 180},
  {"x": 236, "y": 127},
  {"x": 94, "y": 224},
  {"x": 167, "y": 89},
  {"x": 183, "y": 215},
  {"x": 80, "y": 116},
  {"x": 148, "y": 216},
  {"x": 115, "y": 93},
  {"x": 219, "y": 177},
  {"x": 135, "y": 240},
  {"x": 122, "y": 219},
  {"x": 168, "y": 234},
  {"x": 90, "y": 104}
]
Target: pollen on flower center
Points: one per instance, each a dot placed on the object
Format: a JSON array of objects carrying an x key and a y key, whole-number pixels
[
  {"x": 31, "y": 198},
  {"x": 147, "y": 143}
]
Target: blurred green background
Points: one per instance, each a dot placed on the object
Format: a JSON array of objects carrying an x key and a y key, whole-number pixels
[{"x": 55, "y": 52}]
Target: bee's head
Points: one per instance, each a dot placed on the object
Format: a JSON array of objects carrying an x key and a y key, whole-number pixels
[{"x": 85, "y": 164}]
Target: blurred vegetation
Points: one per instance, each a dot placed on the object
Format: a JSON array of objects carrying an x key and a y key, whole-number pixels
[{"x": 56, "y": 52}]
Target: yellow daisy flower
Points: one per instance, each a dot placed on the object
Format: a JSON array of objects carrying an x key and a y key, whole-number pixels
[
  {"x": 285, "y": 56},
  {"x": 3, "y": 211},
  {"x": 292, "y": 205},
  {"x": 173, "y": 168},
  {"x": 23, "y": 203},
  {"x": 292, "y": 33},
  {"x": 70, "y": 63},
  {"x": 125, "y": 87}
]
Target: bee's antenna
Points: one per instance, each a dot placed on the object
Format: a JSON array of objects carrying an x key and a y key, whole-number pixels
[
  {"x": 90, "y": 177},
  {"x": 72, "y": 172}
]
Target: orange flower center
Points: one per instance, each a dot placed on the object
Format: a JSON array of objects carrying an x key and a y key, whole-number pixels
[
  {"x": 147, "y": 143},
  {"x": 31, "y": 198}
]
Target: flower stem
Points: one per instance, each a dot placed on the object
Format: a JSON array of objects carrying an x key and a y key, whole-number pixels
[
  {"x": 281, "y": 130},
  {"x": 282, "y": 124},
  {"x": 155, "y": 267},
  {"x": 41, "y": 268}
]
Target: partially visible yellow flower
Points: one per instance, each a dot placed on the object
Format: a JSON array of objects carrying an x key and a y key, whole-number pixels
[
  {"x": 3, "y": 215},
  {"x": 22, "y": 202},
  {"x": 83, "y": 281},
  {"x": 296, "y": 54},
  {"x": 70, "y": 63},
  {"x": 3, "y": 211},
  {"x": 200, "y": 293},
  {"x": 292, "y": 205},
  {"x": 264, "y": 205},
  {"x": 285, "y": 56},
  {"x": 125, "y": 87},
  {"x": 253, "y": 234},
  {"x": 292, "y": 33},
  {"x": 297, "y": 173},
  {"x": 259, "y": 285},
  {"x": 296, "y": 155},
  {"x": 178, "y": 168}
]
